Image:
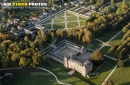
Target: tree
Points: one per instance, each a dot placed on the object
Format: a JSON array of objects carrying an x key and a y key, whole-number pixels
[
  {"x": 26, "y": 38},
  {"x": 123, "y": 4},
  {"x": 97, "y": 57},
  {"x": 1, "y": 27},
  {"x": 120, "y": 63},
  {"x": 44, "y": 35},
  {"x": 91, "y": 2},
  {"x": 112, "y": 1},
  {"x": 108, "y": 83},
  {"x": 24, "y": 62},
  {"x": 23, "y": 23},
  {"x": 107, "y": 10},
  {"x": 3, "y": 19},
  {"x": 87, "y": 37}
]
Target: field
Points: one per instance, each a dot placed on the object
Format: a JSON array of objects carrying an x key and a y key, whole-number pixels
[
  {"x": 108, "y": 36},
  {"x": 93, "y": 80},
  {"x": 29, "y": 77},
  {"x": 63, "y": 20},
  {"x": 117, "y": 39},
  {"x": 121, "y": 75}
]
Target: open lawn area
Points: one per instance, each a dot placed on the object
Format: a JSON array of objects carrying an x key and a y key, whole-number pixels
[
  {"x": 105, "y": 49},
  {"x": 107, "y": 36},
  {"x": 47, "y": 25},
  {"x": 72, "y": 18},
  {"x": 59, "y": 21},
  {"x": 59, "y": 26},
  {"x": 39, "y": 77},
  {"x": 72, "y": 24},
  {"x": 48, "y": 21},
  {"x": 96, "y": 45},
  {"x": 116, "y": 39},
  {"x": 121, "y": 75},
  {"x": 93, "y": 80}
]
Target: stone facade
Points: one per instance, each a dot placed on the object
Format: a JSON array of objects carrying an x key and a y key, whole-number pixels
[{"x": 71, "y": 60}]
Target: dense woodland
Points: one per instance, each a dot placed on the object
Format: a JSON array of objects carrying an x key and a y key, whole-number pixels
[{"x": 21, "y": 52}]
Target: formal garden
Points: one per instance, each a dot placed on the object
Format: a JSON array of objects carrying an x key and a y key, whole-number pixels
[{"x": 107, "y": 32}]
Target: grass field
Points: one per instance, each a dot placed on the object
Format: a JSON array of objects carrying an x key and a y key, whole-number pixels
[
  {"x": 72, "y": 24},
  {"x": 108, "y": 36},
  {"x": 93, "y": 80},
  {"x": 47, "y": 25},
  {"x": 59, "y": 21},
  {"x": 105, "y": 49},
  {"x": 121, "y": 75},
  {"x": 59, "y": 26},
  {"x": 117, "y": 39},
  {"x": 29, "y": 77},
  {"x": 72, "y": 18}
]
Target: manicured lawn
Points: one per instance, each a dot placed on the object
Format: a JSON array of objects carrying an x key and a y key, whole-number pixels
[
  {"x": 59, "y": 26},
  {"x": 68, "y": 14},
  {"x": 107, "y": 36},
  {"x": 59, "y": 19},
  {"x": 81, "y": 23},
  {"x": 72, "y": 24},
  {"x": 81, "y": 18},
  {"x": 121, "y": 75},
  {"x": 62, "y": 14},
  {"x": 96, "y": 45},
  {"x": 93, "y": 80},
  {"x": 72, "y": 18},
  {"x": 117, "y": 39},
  {"x": 29, "y": 77},
  {"x": 48, "y": 21},
  {"x": 47, "y": 25},
  {"x": 105, "y": 49}
]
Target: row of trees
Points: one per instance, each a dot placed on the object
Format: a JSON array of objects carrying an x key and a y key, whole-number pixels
[
  {"x": 15, "y": 52},
  {"x": 77, "y": 33},
  {"x": 121, "y": 49}
]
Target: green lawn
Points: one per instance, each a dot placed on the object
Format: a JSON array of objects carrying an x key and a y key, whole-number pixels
[
  {"x": 81, "y": 23},
  {"x": 117, "y": 39},
  {"x": 48, "y": 21},
  {"x": 62, "y": 14},
  {"x": 105, "y": 49},
  {"x": 121, "y": 75},
  {"x": 29, "y": 77},
  {"x": 93, "y": 80},
  {"x": 72, "y": 24},
  {"x": 72, "y": 18},
  {"x": 81, "y": 18},
  {"x": 107, "y": 36},
  {"x": 59, "y": 19},
  {"x": 59, "y": 26},
  {"x": 96, "y": 45},
  {"x": 47, "y": 25},
  {"x": 68, "y": 14}
]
